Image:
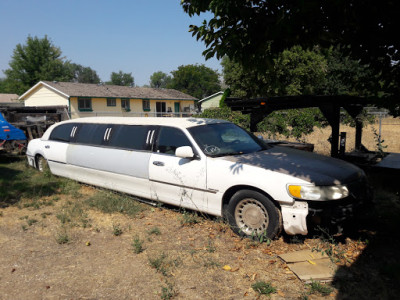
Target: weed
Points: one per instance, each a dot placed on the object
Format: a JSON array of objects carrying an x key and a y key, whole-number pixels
[
  {"x": 211, "y": 247},
  {"x": 63, "y": 217},
  {"x": 327, "y": 246},
  {"x": 34, "y": 205},
  {"x": 31, "y": 221},
  {"x": 109, "y": 202},
  {"x": 62, "y": 237},
  {"x": 137, "y": 245},
  {"x": 154, "y": 230},
  {"x": 168, "y": 292},
  {"x": 73, "y": 212},
  {"x": 316, "y": 286},
  {"x": 264, "y": 288},
  {"x": 117, "y": 230},
  {"x": 24, "y": 228},
  {"x": 1, "y": 213},
  {"x": 45, "y": 214},
  {"x": 189, "y": 219},
  {"x": 210, "y": 263},
  {"x": 159, "y": 264},
  {"x": 23, "y": 218}
]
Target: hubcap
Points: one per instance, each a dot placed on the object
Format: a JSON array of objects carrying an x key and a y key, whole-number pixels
[{"x": 251, "y": 217}]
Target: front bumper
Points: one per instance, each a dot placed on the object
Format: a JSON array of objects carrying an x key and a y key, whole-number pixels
[{"x": 301, "y": 215}]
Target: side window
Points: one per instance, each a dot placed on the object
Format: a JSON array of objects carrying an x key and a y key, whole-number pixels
[
  {"x": 91, "y": 134},
  {"x": 62, "y": 133},
  {"x": 169, "y": 139},
  {"x": 129, "y": 137}
]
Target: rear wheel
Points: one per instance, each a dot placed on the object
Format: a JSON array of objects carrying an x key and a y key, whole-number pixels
[
  {"x": 252, "y": 214},
  {"x": 41, "y": 163}
]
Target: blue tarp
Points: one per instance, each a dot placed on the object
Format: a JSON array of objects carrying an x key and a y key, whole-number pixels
[{"x": 9, "y": 132}]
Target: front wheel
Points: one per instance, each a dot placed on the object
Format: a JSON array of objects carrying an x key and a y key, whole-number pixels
[{"x": 251, "y": 214}]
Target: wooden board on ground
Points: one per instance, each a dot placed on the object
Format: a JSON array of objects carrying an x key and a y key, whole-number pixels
[{"x": 308, "y": 265}]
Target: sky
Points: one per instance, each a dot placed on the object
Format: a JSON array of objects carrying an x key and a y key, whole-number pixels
[{"x": 135, "y": 36}]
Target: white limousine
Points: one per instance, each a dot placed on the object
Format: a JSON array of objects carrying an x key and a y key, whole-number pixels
[{"x": 212, "y": 166}]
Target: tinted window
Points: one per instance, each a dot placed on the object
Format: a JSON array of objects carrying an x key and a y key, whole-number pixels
[
  {"x": 62, "y": 132},
  {"x": 92, "y": 134},
  {"x": 129, "y": 137},
  {"x": 169, "y": 139}
]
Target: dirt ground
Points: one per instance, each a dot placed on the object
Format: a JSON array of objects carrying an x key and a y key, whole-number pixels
[{"x": 97, "y": 264}]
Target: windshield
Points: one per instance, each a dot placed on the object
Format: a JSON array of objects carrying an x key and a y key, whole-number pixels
[{"x": 225, "y": 139}]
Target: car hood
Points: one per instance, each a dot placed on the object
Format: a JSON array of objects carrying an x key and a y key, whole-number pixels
[{"x": 311, "y": 167}]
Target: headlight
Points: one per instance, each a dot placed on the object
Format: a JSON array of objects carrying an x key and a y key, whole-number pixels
[{"x": 311, "y": 192}]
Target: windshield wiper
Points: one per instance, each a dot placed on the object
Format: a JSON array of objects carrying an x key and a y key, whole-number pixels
[{"x": 229, "y": 154}]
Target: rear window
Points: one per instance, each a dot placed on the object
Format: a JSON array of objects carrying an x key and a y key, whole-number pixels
[
  {"x": 91, "y": 134},
  {"x": 129, "y": 137},
  {"x": 62, "y": 132}
]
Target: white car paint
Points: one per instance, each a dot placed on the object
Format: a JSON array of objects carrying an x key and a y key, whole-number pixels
[{"x": 198, "y": 183}]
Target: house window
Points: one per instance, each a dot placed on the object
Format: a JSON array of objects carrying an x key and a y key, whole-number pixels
[
  {"x": 125, "y": 104},
  {"x": 85, "y": 104},
  {"x": 111, "y": 102},
  {"x": 146, "y": 105}
]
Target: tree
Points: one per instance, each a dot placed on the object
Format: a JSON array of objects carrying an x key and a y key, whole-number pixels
[
  {"x": 248, "y": 32},
  {"x": 37, "y": 60},
  {"x": 120, "y": 78},
  {"x": 83, "y": 74},
  {"x": 159, "y": 80},
  {"x": 196, "y": 80}
]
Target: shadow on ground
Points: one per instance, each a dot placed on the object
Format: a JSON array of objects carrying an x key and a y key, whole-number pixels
[{"x": 376, "y": 272}]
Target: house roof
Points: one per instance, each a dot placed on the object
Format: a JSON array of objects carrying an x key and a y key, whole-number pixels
[
  {"x": 211, "y": 96},
  {"x": 72, "y": 89},
  {"x": 7, "y": 98}
]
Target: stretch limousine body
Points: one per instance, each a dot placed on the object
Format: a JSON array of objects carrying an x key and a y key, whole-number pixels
[{"x": 212, "y": 166}]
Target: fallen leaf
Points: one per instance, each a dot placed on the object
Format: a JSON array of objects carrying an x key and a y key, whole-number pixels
[
  {"x": 254, "y": 276},
  {"x": 234, "y": 269},
  {"x": 311, "y": 262},
  {"x": 227, "y": 268},
  {"x": 280, "y": 293},
  {"x": 88, "y": 243}
]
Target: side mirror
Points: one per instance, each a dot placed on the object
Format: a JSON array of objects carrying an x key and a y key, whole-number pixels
[{"x": 184, "y": 152}]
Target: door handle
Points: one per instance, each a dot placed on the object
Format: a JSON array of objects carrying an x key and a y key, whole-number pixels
[
  {"x": 158, "y": 163},
  {"x": 47, "y": 147}
]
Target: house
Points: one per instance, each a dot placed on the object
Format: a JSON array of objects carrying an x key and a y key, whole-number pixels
[
  {"x": 210, "y": 101},
  {"x": 85, "y": 100},
  {"x": 8, "y": 98}
]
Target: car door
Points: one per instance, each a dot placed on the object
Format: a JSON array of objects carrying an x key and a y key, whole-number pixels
[
  {"x": 175, "y": 180},
  {"x": 55, "y": 148}
]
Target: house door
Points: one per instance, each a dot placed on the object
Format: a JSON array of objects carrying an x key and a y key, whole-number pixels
[
  {"x": 160, "y": 108},
  {"x": 177, "y": 108}
]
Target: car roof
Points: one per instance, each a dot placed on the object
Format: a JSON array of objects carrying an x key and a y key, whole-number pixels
[{"x": 175, "y": 122}]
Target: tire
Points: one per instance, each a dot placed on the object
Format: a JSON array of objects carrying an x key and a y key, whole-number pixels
[
  {"x": 251, "y": 214},
  {"x": 41, "y": 163}
]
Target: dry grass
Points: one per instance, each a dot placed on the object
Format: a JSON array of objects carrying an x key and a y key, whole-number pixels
[{"x": 390, "y": 135}]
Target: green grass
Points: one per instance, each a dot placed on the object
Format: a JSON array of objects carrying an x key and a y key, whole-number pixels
[
  {"x": 109, "y": 202},
  {"x": 137, "y": 245},
  {"x": 263, "y": 288},
  {"x": 160, "y": 264},
  {"x": 24, "y": 186},
  {"x": 154, "y": 230},
  {"x": 168, "y": 292},
  {"x": 189, "y": 218},
  {"x": 62, "y": 237},
  {"x": 317, "y": 287},
  {"x": 117, "y": 230}
]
